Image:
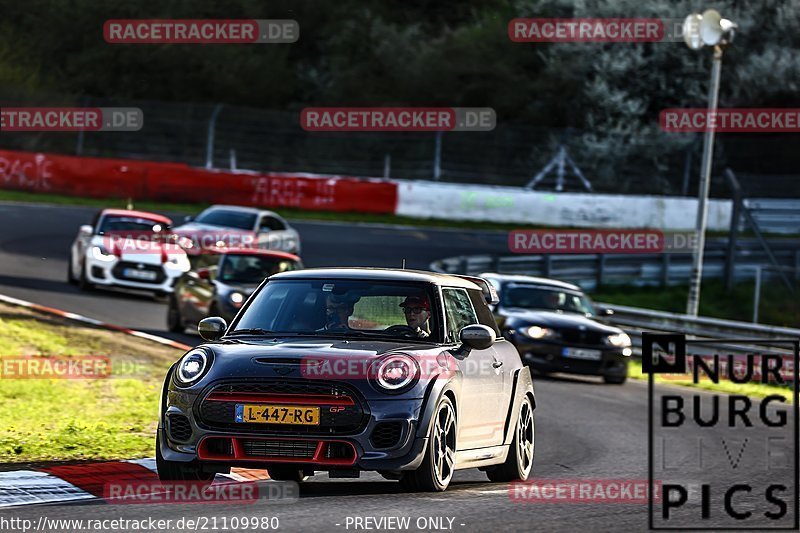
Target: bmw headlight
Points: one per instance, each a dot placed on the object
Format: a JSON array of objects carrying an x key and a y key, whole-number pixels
[
  {"x": 101, "y": 253},
  {"x": 537, "y": 332},
  {"x": 192, "y": 367},
  {"x": 618, "y": 340},
  {"x": 395, "y": 373}
]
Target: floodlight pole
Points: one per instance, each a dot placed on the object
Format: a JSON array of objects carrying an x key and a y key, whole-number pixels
[{"x": 705, "y": 184}]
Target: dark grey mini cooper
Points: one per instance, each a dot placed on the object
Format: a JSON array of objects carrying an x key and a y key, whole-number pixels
[{"x": 342, "y": 370}]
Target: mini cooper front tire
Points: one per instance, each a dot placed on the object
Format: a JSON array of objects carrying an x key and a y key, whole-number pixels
[
  {"x": 436, "y": 470},
  {"x": 519, "y": 462}
]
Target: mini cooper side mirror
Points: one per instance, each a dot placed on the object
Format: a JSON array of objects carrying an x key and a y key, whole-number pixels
[
  {"x": 86, "y": 229},
  {"x": 476, "y": 337},
  {"x": 212, "y": 328}
]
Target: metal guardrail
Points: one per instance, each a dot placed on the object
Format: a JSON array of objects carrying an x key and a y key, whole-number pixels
[
  {"x": 592, "y": 270},
  {"x": 634, "y": 321}
]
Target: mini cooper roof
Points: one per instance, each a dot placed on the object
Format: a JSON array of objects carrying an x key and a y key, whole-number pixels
[{"x": 379, "y": 274}]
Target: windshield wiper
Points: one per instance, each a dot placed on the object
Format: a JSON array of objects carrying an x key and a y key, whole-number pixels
[{"x": 250, "y": 331}]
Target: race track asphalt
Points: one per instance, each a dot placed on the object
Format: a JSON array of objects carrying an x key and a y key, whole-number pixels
[{"x": 584, "y": 429}]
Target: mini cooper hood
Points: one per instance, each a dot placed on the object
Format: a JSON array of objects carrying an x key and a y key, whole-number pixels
[
  {"x": 557, "y": 320},
  {"x": 306, "y": 347}
]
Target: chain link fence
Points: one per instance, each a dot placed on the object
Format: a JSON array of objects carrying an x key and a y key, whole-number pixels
[{"x": 226, "y": 136}]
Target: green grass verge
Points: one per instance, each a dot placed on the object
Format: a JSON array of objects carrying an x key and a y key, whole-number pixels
[
  {"x": 778, "y": 306},
  {"x": 753, "y": 390},
  {"x": 78, "y": 419}
]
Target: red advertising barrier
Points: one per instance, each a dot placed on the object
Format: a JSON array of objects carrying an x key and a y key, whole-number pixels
[{"x": 177, "y": 182}]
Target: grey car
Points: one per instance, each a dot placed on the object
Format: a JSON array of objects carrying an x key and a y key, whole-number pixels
[
  {"x": 322, "y": 370},
  {"x": 231, "y": 224},
  {"x": 219, "y": 284}
]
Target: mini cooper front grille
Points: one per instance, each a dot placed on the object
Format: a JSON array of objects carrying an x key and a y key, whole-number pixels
[
  {"x": 279, "y": 448},
  {"x": 180, "y": 430},
  {"x": 341, "y": 409},
  {"x": 386, "y": 435}
]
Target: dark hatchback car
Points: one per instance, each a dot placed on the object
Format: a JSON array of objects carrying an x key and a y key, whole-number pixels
[
  {"x": 219, "y": 284},
  {"x": 351, "y": 369},
  {"x": 556, "y": 328}
]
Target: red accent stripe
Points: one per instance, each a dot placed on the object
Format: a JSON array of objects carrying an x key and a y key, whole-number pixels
[
  {"x": 240, "y": 455},
  {"x": 295, "y": 399}
]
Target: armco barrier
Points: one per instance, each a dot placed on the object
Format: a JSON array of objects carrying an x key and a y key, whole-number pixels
[
  {"x": 455, "y": 201},
  {"x": 148, "y": 180}
]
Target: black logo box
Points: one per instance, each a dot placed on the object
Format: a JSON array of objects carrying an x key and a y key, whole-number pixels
[{"x": 675, "y": 344}]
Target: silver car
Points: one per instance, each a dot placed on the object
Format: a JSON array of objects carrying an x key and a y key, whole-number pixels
[{"x": 232, "y": 226}]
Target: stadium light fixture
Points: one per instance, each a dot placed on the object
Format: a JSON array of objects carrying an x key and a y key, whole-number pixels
[{"x": 708, "y": 29}]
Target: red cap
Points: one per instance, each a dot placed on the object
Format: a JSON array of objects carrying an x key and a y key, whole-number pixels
[{"x": 416, "y": 301}]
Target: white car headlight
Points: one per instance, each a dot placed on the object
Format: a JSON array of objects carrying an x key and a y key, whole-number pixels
[
  {"x": 237, "y": 298},
  {"x": 395, "y": 373},
  {"x": 537, "y": 332},
  {"x": 100, "y": 253},
  {"x": 620, "y": 340},
  {"x": 191, "y": 367},
  {"x": 178, "y": 262}
]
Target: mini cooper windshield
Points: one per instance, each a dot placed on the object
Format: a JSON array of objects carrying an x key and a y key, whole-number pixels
[{"x": 342, "y": 308}]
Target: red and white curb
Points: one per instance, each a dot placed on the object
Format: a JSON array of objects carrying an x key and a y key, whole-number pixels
[
  {"x": 68, "y": 483},
  {"x": 86, "y": 320}
]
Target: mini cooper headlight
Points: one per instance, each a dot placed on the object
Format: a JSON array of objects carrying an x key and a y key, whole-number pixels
[
  {"x": 537, "y": 332},
  {"x": 237, "y": 298},
  {"x": 192, "y": 367},
  {"x": 619, "y": 340},
  {"x": 395, "y": 373}
]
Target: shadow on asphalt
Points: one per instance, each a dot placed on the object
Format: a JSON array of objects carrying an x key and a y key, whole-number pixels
[
  {"x": 583, "y": 380},
  {"x": 50, "y": 285},
  {"x": 314, "y": 489}
]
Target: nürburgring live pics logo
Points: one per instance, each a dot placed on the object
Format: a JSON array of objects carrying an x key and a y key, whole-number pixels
[{"x": 725, "y": 460}]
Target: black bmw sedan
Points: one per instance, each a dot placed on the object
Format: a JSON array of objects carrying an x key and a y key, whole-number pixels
[
  {"x": 556, "y": 328},
  {"x": 343, "y": 370}
]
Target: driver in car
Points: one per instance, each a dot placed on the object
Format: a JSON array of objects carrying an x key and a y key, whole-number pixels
[
  {"x": 418, "y": 311},
  {"x": 338, "y": 309}
]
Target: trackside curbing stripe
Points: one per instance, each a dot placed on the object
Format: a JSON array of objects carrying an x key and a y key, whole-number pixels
[
  {"x": 86, "y": 320},
  {"x": 25, "y": 487}
]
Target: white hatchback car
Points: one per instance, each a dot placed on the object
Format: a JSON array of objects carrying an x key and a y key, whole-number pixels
[
  {"x": 234, "y": 226},
  {"x": 125, "y": 248}
]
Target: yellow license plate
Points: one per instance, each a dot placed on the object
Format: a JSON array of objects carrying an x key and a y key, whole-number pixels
[{"x": 277, "y": 414}]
